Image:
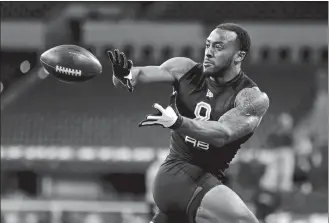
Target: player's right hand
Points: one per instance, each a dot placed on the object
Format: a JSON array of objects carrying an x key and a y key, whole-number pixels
[
  {"x": 166, "y": 117},
  {"x": 121, "y": 67}
]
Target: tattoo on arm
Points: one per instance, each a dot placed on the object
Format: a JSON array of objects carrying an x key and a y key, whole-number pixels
[{"x": 250, "y": 106}]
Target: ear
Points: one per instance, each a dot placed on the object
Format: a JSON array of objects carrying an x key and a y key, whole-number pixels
[{"x": 240, "y": 56}]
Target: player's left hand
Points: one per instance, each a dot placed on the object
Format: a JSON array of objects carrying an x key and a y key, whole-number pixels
[
  {"x": 121, "y": 68},
  {"x": 166, "y": 117}
]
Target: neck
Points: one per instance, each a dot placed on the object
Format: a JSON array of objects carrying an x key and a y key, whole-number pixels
[{"x": 227, "y": 75}]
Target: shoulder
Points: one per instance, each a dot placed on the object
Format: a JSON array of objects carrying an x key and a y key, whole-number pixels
[
  {"x": 253, "y": 100},
  {"x": 178, "y": 66}
]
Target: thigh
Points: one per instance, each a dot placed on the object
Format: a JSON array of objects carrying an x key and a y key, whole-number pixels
[
  {"x": 205, "y": 184},
  {"x": 173, "y": 189},
  {"x": 179, "y": 189},
  {"x": 221, "y": 204}
]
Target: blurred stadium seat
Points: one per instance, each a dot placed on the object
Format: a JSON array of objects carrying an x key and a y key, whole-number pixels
[
  {"x": 233, "y": 11},
  {"x": 24, "y": 10}
]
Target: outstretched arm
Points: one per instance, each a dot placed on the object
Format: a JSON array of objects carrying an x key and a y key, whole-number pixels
[
  {"x": 250, "y": 106},
  {"x": 171, "y": 70}
]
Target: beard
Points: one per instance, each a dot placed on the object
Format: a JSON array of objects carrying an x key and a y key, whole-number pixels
[{"x": 217, "y": 71}]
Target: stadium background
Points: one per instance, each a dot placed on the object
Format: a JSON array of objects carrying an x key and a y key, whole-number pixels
[{"x": 73, "y": 153}]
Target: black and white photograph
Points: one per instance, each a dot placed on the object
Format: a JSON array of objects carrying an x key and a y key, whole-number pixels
[{"x": 164, "y": 111}]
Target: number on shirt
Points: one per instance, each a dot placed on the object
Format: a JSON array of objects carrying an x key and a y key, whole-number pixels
[{"x": 202, "y": 111}]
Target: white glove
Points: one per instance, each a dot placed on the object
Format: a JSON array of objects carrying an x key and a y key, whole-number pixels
[{"x": 167, "y": 118}]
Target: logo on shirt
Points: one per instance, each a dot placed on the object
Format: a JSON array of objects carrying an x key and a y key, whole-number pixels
[{"x": 209, "y": 94}]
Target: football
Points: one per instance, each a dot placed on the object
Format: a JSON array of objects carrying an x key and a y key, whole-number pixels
[{"x": 70, "y": 63}]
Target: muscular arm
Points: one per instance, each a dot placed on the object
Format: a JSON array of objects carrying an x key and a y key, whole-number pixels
[
  {"x": 250, "y": 107},
  {"x": 171, "y": 70}
]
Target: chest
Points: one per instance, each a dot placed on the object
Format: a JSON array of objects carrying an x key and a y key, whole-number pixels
[{"x": 206, "y": 104}]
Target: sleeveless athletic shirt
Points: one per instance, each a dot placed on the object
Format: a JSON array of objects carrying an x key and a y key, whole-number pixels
[{"x": 200, "y": 98}]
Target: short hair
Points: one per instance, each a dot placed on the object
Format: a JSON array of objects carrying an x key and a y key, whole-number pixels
[{"x": 242, "y": 35}]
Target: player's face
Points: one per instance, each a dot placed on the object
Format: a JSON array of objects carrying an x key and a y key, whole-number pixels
[{"x": 220, "y": 53}]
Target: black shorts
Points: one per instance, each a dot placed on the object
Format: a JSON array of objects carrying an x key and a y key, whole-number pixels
[{"x": 178, "y": 190}]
